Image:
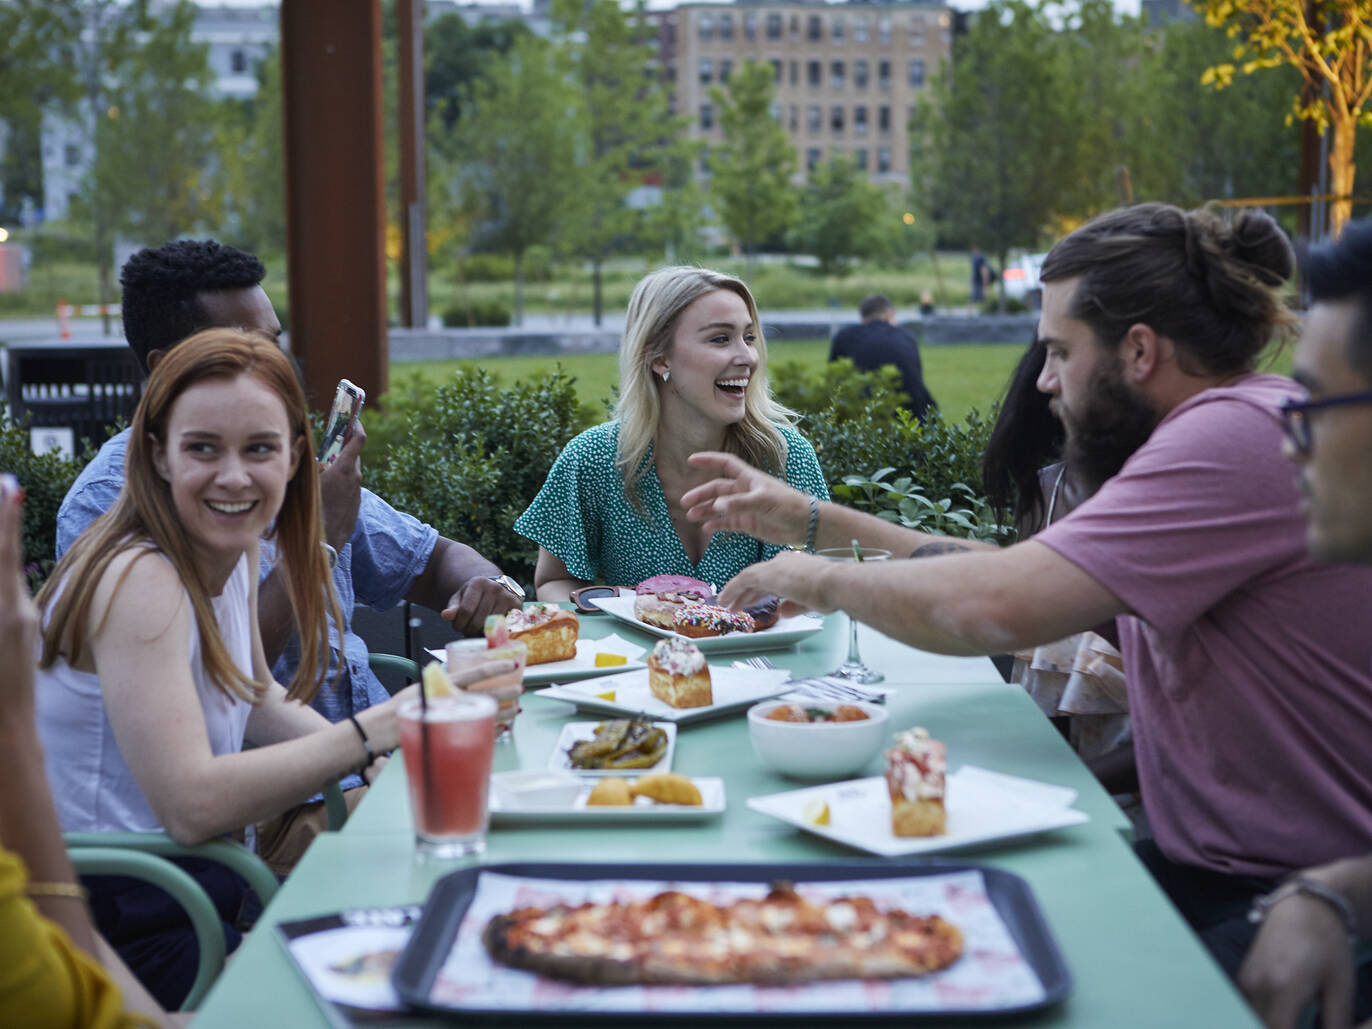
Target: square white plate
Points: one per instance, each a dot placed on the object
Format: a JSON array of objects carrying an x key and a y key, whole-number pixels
[
  {"x": 575, "y": 732},
  {"x": 582, "y": 666},
  {"x": 733, "y": 689},
  {"x": 642, "y": 810},
  {"x": 786, "y": 633},
  {"x": 983, "y": 807}
]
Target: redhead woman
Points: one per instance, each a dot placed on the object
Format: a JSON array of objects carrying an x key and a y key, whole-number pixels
[
  {"x": 693, "y": 376},
  {"x": 152, "y": 672}
]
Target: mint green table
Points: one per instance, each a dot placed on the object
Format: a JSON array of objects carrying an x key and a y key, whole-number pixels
[{"x": 1133, "y": 959}]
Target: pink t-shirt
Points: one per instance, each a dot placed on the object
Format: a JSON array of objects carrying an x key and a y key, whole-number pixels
[{"x": 1249, "y": 666}]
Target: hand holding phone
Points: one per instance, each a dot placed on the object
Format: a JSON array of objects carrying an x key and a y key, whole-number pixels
[{"x": 347, "y": 405}]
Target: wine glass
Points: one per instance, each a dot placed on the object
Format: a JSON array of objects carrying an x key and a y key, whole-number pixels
[{"x": 852, "y": 668}]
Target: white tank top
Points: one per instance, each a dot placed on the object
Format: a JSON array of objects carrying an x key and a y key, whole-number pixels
[{"x": 91, "y": 784}]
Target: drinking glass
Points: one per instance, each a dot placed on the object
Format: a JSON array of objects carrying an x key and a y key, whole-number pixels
[
  {"x": 853, "y": 669},
  {"x": 463, "y": 654},
  {"x": 448, "y": 749}
]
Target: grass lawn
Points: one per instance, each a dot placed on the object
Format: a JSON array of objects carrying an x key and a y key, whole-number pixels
[{"x": 961, "y": 377}]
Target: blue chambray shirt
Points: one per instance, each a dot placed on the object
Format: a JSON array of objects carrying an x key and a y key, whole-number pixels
[{"x": 378, "y": 565}]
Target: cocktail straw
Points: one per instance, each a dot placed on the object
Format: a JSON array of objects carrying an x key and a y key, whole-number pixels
[
  {"x": 425, "y": 764},
  {"x": 857, "y": 551}
]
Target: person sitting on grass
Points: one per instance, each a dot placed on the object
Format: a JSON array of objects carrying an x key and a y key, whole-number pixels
[
  {"x": 692, "y": 376},
  {"x": 152, "y": 672},
  {"x": 1248, "y": 665}
]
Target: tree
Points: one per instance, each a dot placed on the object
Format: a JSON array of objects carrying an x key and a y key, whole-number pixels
[
  {"x": 456, "y": 55},
  {"x": 751, "y": 173},
  {"x": 251, "y": 146},
  {"x": 514, "y": 153},
  {"x": 631, "y": 136},
  {"x": 1330, "y": 43},
  {"x": 994, "y": 147},
  {"x": 842, "y": 215}
]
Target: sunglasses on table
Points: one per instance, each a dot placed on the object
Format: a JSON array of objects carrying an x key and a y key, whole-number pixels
[
  {"x": 582, "y": 597},
  {"x": 1295, "y": 415}
]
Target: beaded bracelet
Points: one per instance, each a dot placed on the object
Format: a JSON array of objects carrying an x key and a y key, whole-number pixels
[
  {"x": 366, "y": 744},
  {"x": 1263, "y": 905},
  {"x": 70, "y": 890},
  {"x": 814, "y": 526}
]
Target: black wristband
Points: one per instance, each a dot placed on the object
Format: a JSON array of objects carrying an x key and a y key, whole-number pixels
[{"x": 366, "y": 743}]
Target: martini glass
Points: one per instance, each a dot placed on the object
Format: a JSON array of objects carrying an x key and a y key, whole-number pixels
[{"x": 853, "y": 669}]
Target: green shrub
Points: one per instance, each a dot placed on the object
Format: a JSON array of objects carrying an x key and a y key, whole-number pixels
[
  {"x": 476, "y": 313},
  {"x": 538, "y": 266},
  {"x": 469, "y": 455},
  {"x": 902, "y": 501},
  {"x": 45, "y": 479}
]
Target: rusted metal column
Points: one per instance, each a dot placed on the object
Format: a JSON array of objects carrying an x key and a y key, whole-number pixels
[
  {"x": 414, "y": 256},
  {"x": 335, "y": 202}
]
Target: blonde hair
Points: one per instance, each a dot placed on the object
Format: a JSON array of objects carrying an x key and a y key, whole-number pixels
[
  {"x": 146, "y": 513},
  {"x": 649, "y": 331}
]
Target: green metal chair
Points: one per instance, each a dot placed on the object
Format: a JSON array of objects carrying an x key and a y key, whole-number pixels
[{"x": 139, "y": 864}]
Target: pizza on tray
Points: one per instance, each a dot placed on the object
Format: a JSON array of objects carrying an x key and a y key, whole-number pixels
[{"x": 673, "y": 938}]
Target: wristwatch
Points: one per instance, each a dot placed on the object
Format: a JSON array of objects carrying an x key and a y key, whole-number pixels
[{"x": 504, "y": 580}]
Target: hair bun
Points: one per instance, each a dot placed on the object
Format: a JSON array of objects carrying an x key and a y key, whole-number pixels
[{"x": 1258, "y": 240}]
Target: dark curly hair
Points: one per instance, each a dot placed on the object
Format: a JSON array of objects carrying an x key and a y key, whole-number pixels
[
  {"x": 1342, "y": 270},
  {"x": 1213, "y": 287},
  {"x": 161, "y": 299}
]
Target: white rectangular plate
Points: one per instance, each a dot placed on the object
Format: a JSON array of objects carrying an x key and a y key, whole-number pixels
[
  {"x": 575, "y": 732},
  {"x": 642, "y": 810},
  {"x": 786, "y": 633},
  {"x": 582, "y": 666},
  {"x": 733, "y": 689},
  {"x": 983, "y": 807}
]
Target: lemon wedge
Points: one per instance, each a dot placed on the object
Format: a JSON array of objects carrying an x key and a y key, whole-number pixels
[
  {"x": 607, "y": 695},
  {"x": 608, "y": 660},
  {"x": 436, "y": 682},
  {"x": 815, "y": 811}
]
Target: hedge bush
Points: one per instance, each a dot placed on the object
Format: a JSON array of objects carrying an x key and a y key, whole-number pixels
[
  {"x": 469, "y": 455},
  {"x": 45, "y": 479},
  {"x": 475, "y": 313}
]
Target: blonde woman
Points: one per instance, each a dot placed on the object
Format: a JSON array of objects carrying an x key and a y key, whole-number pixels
[
  {"x": 152, "y": 671},
  {"x": 693, "y": 376}
]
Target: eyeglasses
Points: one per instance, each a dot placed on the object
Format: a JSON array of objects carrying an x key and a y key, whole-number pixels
[{"x": 1295, "y": 415}]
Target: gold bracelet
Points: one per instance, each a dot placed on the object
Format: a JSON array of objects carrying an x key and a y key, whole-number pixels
[{"x": 71, "y": 890}]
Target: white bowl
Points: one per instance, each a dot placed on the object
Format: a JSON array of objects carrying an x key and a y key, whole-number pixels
[
  {"x": 532, "y": 788},
  {"x": 817, "y": 750}
]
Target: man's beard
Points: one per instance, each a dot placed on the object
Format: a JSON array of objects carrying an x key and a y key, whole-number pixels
[{"x": 1113, "y": 423}]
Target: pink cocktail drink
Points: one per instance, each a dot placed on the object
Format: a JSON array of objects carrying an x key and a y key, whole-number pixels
[
  {"x": 505, "y": 688},
  {"x": 448, "y": 760}
]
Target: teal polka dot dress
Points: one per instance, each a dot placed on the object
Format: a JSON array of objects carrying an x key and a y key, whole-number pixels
[{"x": 583, "y": 516}]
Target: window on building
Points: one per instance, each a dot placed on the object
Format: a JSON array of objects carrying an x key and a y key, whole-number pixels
[
  {"x": 812, "y": 118},
  {"x": 860, "y": 120},
  {"x": 776, "y": 70},
  {"x": 916, "y": 30},
  {"x": 706, "y": 27},
  {"x": 669, "y": 73},
  {"x": 707, "y": 71},
  {"x": 794, "y": 124},
  {"x": 774, "y": 109},
  {"x": 707, "y": 117},
  {"x": 836, "y": 119},
  {"x": 726, "y": 28},
  {"x": 705, "y": 160},
  {"x": 836, "y": 30},
  {"x": 860, "y": 73},
  {"x": 860, "y": 158},
  {"x": 883, "y": 74},
  {"x": 884, "y": 30},
  {"x": 750, "y": 27},
  {"x": 238, "y": 62},
  {"x": 773, "y": 26},
  {"x": 726, "y": 68},
  {"x": 860, "y": 29},
  {"x": 811, "y": 158},
  {"x": 795, "y": 27},
  {"x": 836, "y": 74},
  {"x": 916, "y": 73},
  {"x": 883, "y": 118},
  {"x": 815, "y": 29},
  {"x": 883, "y": 160},
  {"x": 814, "y": 73},
  {"x": 71, "y": 155},
  {"x": 795, "y": 72}
]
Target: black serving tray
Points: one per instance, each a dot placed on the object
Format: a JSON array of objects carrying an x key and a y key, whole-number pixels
[{"x": 424, "y": 955}]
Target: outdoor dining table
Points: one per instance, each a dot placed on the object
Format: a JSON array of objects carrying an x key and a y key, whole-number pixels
[{"x": 1133, "y": 960}]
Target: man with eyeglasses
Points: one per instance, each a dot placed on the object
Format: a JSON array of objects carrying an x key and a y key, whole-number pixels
[{"x": 1303, "y": 951}]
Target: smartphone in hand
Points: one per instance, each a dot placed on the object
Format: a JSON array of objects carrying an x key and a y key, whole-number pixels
[{"x": 347, "y": 405}]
